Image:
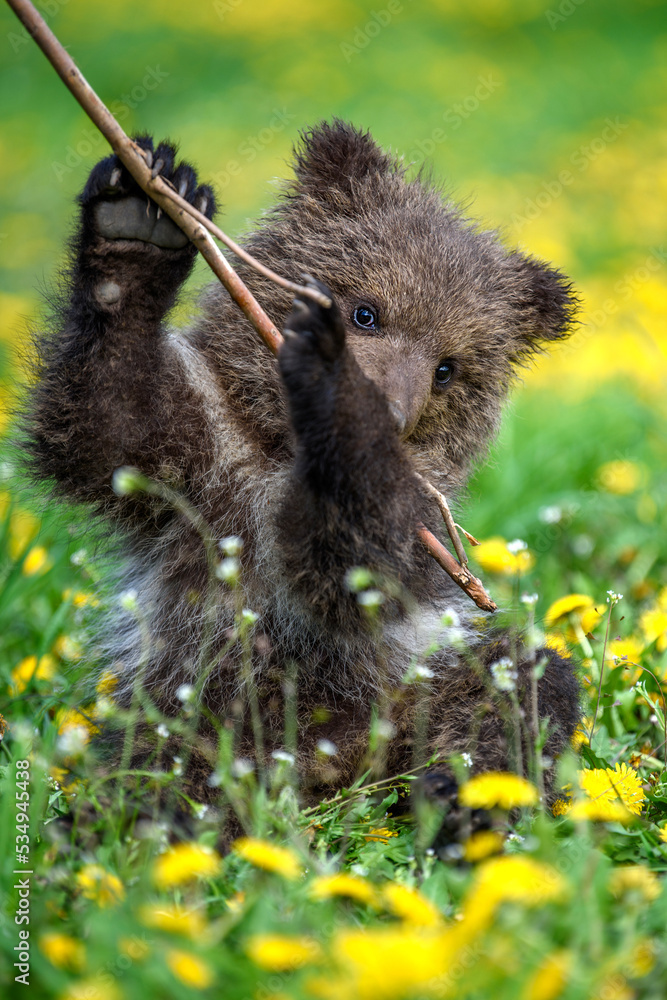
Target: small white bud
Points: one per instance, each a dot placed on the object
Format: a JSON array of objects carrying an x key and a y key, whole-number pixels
[
  {"x": 283, "y": 757},
  {"x": 231, "y": 546},
  {"x": 370, "y": 599},
  {"x": 327, "y": 748},
  {"x": 504, "y": 674},
  {"x": 127, "y": 480},
  {"x": 128, "y": 600},
  {"x": 248, "y": 616},
  {"x": 467, "y": 759},
  {"x": 530, "y": 599},
  {"x": 516, "y": 546},
  {"x": 228, "y": 571},
  {"x": 162, "y": 731},
  {"x": 185, "y": 693},
  {"x": 358, "y": 579},
  {"x": 177, "y": 769},
  {"x": 241, "y": 767},
  {"x": 450, "y": 619}
]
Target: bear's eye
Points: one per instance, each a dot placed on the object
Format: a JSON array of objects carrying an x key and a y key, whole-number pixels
[
  {"x": 365, "y": 317},
  {"x": 443, "y": 374}
]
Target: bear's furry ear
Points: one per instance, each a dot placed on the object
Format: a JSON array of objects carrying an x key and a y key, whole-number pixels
[
  {"x": 334, "y": 155},
  {"x": 545, "y": 304}
]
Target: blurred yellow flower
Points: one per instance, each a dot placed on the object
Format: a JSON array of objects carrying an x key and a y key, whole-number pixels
[
  {"x": 555, "y": 641},
  {"x": 621, "y": 477},
  {"x": 381, "y": 834},
  {"x": 190, "y": 969},
  {"x": 519, "y": 879},
  {"x": 653, "y": 624},
  {"x": 80, "y": 599},
  {"x": 235, "y": 903},
  {"x": 343, "y": 884},
  {"x": 551, "y": 978},
  {"x": 70, "y": 718},
  {"x": 36, "y": 562},
  {"x": 561, "y": 807},
  {"x": 29, "y": 669},
  {"x": 410, "y": 905},
  {"x": 560, "y": 610},
  {"x": 281, "y": 952},
  {"x": 63, "y": 951},
  {"x": 600, "y": 811},
  {"x": 183, "y": 863},
  {"x": 496, "y": 788},
  {"x": 96, "y": 883},
  {"x": 590, "y": 619},
  {"x": 94, "y": 988},
  {"x": 172, "y": 918},
  {"x": 270, "y": 857},
  {"x": 23, "y": 527},
  {"x": 663, "y": 834},
  {"x": 579, "y": 736},
  {"x": 67, "y": 648},
  {"x": 614, "y": 987},
  {"x": 635, "y": 879},
  {"x": 619, "y": 650},
  {"x": 612, "y": 784},
  {"x": 642, "y": 958},
  {"x": 482, "y": 844},
  {"x": 494, "y": 556},
  {"x": 106, "y": 684}
]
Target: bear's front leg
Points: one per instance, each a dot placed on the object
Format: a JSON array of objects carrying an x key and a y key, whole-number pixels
[{"x": 353, "y": 498}]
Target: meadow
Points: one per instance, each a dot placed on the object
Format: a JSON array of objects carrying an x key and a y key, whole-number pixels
[{"x": 551, "y": 119}]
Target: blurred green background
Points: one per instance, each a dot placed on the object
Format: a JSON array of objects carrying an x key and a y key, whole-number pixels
[{"x": 548, "y": 118}]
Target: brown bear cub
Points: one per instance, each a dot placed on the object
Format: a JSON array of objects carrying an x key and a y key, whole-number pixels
[{"x": 313, "y": 462}]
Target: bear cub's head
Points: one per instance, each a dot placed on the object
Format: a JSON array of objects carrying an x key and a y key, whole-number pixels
[{"x": 437, "y": 311}]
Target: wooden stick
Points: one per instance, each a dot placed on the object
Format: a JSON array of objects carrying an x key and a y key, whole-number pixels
[
  {"x": 198, "y": 228},
  {"x": 459, "y": 574}
]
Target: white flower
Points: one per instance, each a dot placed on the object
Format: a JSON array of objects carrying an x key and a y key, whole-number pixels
[
  {"x": 450, "y": 619},
  {"x": 550, "y": 515},
  {"x": 516, "y": 546},
  {"x": 530, "y": 599},
  {"x": 359, "y": 870},
  {"x": 370, "y": 598},
  {"x": 128, "y": 600},
  {"x": 613, "y": 598},
  {"x": 185, "y": 693},
  {"x": 241, "y": 767},
  {"x": 78, "y": 558},
  {"x": 177, "y": 769},
  {"x": 283, "y": 756},
  {"x": 162, "y": 731},
  {"x": 467, "y": 759},
  {"x": 504, "y": 674},
  {"x": 327, "y": 748},
  {"x": 248, "y": 616},
  {"x": 73, "y": 741},
  {"x": 232, "y": 545},
  {"x": 228, "y": 570},
  {"x": 200, "y": 811}
]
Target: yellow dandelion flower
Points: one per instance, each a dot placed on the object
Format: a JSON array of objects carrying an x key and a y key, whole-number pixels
[
  {"x": 342, "y": 884},
  {"x": 190, "y": 969},
  {"x": 410, "y": 905},
  {"x": 590, "y": 619},
  {"x": 270, "y": 857},
  {"x": 381, "y": 834},
  {"x": 91, "y": 989},
  {"x": 63, "y": 951},
  {"x": 29, "y": 669},
  {"x": 600, "y": 811},
  {"x": 619, "y": 650},
  {"x": 96, "y": 883},
  {"x": 235, "y": 903},
  {"x": 663, "y": 834},
  {"x": 642, "y": 959},
  {"x": 620, "y": 477},
  {"x": 106, "y": 684},
  {"x": 560, "y": 610},
  {"x": 173, "y": 919},
  {"x": 134, "y": 948},
  {"x": 551, "y": 978},
  {"x": 23, "y": 527},
  {"x": 67, "y": 648},
  {"x": 620, "y": 782},
  {"x": 183, "y": 863},
  {"x": 36, "y": 562},
  {"x": 557, "y": 642},
  {"x": 614, "y": 987},
  {"x": 482, "y": 844},
  {"x": 80, "y": 598},
  {"x": 635, "y": 879},
  {"x": 578, "y": 738},
  {"x": 70, "y": 718},
  {"x": 561, "y": 807},
  {"x": 513, "y": 879},
  {"x": 653, "y": 624},
  {"x": 496, "y": 788},
  {"x": 281, "y": 952},
  {"x": 494, "y": 556}
]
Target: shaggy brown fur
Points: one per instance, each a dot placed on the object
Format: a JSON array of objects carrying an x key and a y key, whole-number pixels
[{"x": 310, "y": 461}]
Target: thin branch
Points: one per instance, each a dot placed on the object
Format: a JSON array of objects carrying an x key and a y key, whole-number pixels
[
  {"x": 447, "y": 518},
  {"x": 459, "y": 574},
  {"x": 199, "y": 229}
]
